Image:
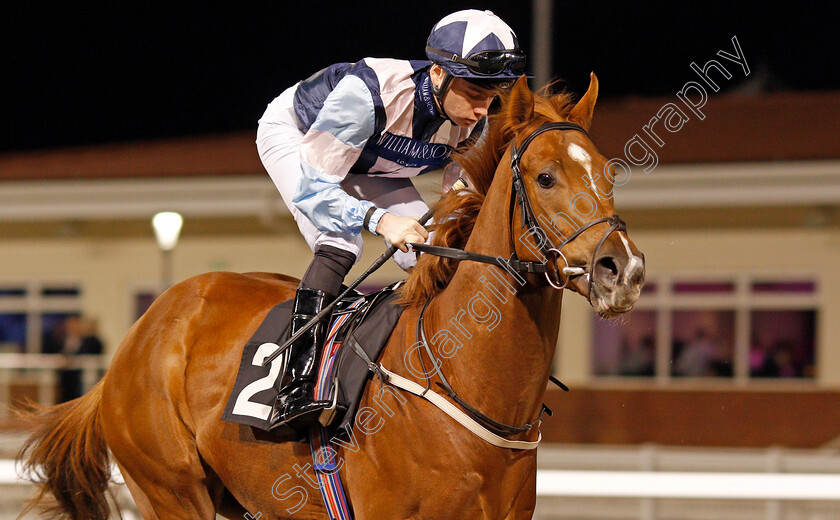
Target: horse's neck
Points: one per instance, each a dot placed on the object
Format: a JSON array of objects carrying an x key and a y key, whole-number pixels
[{"x": 508, "y": 330}]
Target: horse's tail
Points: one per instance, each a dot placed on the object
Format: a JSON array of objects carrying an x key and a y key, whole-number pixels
[{"x": 67, "y": 457}]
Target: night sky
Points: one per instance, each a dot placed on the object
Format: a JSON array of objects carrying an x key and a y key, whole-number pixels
[{"x": 78, "y": 75}]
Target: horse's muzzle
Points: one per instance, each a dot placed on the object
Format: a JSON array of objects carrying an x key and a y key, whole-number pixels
[{"x": 616, "y": 283}]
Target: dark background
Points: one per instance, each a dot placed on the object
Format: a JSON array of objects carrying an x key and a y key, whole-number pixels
[{"x": 78, "y": 75}]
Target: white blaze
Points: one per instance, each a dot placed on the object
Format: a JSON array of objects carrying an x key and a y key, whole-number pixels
[
  {"x": 633, "y": 259},
  {"x": 577, "y": 153}
]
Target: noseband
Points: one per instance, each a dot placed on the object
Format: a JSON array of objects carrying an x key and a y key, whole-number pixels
[{"x": 550, "y": 252}]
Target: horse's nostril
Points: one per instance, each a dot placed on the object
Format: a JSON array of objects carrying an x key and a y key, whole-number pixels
[{"x": 606, "y": 267}]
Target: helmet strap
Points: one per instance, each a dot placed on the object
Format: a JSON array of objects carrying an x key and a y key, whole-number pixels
[{"x": 440, "y": 92}]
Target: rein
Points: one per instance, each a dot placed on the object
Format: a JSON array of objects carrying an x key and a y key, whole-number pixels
[{"x": 549, "y": 251}]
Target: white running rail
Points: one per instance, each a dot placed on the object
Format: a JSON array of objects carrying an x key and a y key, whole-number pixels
[{"x": 646, "y": 484}]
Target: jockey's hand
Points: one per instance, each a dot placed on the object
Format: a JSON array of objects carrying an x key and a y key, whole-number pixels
[{"x": 400, "y": 231}]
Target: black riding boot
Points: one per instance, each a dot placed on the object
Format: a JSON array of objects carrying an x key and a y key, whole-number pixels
[{"x": 295, "y": 405}]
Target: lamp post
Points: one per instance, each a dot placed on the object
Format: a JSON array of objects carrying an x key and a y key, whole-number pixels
[{"x": 167, "y": 226}]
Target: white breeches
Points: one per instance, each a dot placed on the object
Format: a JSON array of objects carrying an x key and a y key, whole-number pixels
[{"x": 278, "y": 143}]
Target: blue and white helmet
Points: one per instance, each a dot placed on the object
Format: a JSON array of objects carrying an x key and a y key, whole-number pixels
[{"x": 476, "y": 45}]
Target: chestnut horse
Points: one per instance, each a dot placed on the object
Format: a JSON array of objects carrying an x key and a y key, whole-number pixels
[{"x": 158, "y": 408}]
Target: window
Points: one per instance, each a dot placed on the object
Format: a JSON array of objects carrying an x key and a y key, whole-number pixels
[
  {"x": 12, "y": 332},
  {"x": 31, "y": 314},
  {"x": 727, "y": 327},
  {"x": 782, "y": 343},
  {"x": 702, "y": 343},
  {"x": 628, "y": 350},
  {"x": 142, "y": 301}
]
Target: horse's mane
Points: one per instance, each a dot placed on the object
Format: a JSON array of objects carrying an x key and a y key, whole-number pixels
[{"x": 456, "y": 213}]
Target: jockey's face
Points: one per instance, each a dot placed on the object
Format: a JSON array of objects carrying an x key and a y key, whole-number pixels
[{"x": 464, "y": 102}]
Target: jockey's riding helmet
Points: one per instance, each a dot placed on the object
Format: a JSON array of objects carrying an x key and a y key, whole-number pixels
[{"x": 477, "y": 46}]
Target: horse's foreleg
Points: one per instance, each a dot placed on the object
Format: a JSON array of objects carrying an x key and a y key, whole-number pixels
[{"x": 525, "y": 502}]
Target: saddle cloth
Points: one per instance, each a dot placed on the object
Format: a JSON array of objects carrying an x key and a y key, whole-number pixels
[{"x": 366, "y": 321}]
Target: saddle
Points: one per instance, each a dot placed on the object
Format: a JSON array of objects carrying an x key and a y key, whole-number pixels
[{"x": 358, "y": 330}]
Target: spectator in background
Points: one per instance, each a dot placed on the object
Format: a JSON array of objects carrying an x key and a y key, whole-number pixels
[
  {"x": 779, "y": 361},
  {"x": 698, "y": 357},
  {"x": 758, "y": 358},
  {"x": 74, "y": 336},
  {"x": 639, "y": 358}
]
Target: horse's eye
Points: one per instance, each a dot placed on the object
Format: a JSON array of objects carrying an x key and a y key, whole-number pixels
[{"x": 545, "y": 180}]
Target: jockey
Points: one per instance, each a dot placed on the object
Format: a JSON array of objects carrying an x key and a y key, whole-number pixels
[{"x": 341, "y": 145}]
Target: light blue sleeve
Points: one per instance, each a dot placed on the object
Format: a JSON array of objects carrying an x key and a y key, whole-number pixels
[{"x": 330, "y": 147}]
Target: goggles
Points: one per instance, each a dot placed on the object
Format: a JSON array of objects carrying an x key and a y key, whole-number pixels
[{"x": 488, "y": 63}]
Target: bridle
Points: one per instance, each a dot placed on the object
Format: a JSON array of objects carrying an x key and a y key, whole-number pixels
[
  {"x": 529, "y": 220},
  {"x": 549, "y": 251}
]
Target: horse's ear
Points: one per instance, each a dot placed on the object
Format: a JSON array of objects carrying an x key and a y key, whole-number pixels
[
  {"x": 582, "y": 113},
  {"x": 521, "y": 102}
]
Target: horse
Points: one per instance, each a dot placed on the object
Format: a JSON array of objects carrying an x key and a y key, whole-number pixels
[{"x": 156, "y": 413}]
